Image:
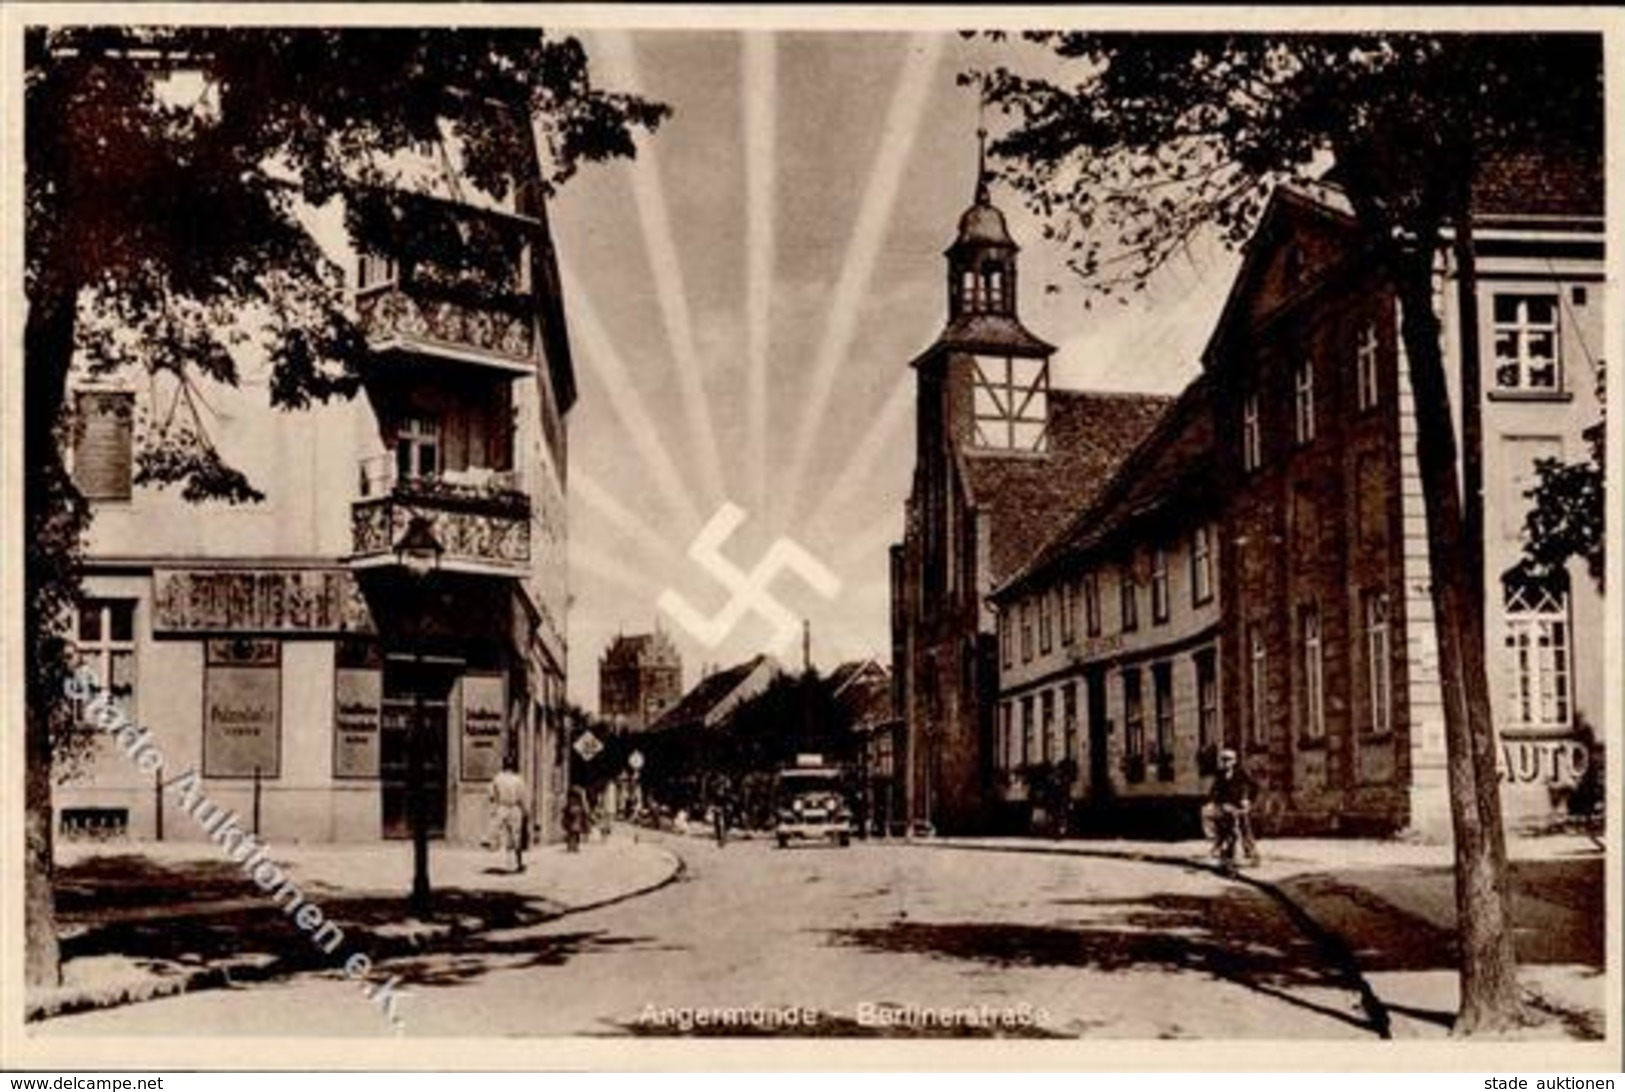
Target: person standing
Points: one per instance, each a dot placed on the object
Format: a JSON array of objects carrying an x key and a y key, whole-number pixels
[
  {"x": 509, "y": 817},
  {"x": 577, "y": 819}
]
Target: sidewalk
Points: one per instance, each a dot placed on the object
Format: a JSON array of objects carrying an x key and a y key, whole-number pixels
[
  {"x": 140, "y": 920},
  {"x": 1387, "y": 908}
]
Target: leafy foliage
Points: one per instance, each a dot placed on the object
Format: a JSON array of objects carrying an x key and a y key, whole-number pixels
[
  {"x": 1145, "y": 141},
  {"x": 1569, "y": 517}
]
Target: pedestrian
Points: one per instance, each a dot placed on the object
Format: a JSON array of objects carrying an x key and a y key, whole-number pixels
[
  {"x": 577, "y": 819},
  {"x": 719, "y": 822},
  {"x": 510, "y": 821},
  {"x": 1227, "y": 814}
]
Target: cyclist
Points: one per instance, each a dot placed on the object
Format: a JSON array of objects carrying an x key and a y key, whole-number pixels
[{"x": 1227, "y": 813}]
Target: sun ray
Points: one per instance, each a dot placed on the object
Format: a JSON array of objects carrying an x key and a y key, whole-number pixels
[
  {"x": 607, "y": 567},
  {"x": 633, "y": 527},
  {"x": 639, "y": 428},
  {"x": 903, "y": 121},
  {"x": 759, "y": 91},
  {"x": 620, "y": 66},
  {"x": 858, "y": 549},
  {"x": 876, "y": 443}
]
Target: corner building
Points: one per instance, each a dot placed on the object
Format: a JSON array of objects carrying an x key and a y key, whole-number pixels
[{"x": 282, "y": 649}]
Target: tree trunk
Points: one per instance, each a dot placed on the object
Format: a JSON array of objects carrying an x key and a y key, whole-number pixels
[
  {"x": 1489, "y": 986},
  {"x": 54, "y": 519}
]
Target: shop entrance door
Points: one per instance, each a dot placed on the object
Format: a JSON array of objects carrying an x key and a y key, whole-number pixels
[{"x": 394, "y": 757}]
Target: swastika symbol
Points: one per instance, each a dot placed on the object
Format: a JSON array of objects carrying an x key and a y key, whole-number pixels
[{"x": 750, "y": 589}]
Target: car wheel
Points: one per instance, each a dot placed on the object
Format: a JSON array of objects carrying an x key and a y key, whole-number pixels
[
  {"x": 844, "y": 840},
  {"x": 784, "y": 843}
]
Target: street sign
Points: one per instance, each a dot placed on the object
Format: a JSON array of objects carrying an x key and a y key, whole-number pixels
[
  {"x": 588, "y": 746},
  {"x": 635, "y": 761}
]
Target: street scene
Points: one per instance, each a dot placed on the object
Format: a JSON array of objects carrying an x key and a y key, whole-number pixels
[{"x": 921, "y": 533}]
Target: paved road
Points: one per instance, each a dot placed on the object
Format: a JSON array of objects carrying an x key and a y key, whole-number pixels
[{"x": 1053, "y": 946}]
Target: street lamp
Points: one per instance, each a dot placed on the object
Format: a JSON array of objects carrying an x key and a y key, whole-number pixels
[{"x": 418, "y": 552}]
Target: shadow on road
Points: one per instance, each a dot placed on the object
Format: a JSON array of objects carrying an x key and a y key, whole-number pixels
[
  {"x": 1239, "y": 936},
  {"x": 206, "y": 913}
]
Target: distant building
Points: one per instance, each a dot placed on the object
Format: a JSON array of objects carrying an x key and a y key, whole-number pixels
[
  {"x": 1108, "y": 647},
  {"x": 639, "y": 677},
  {"x": 282, "y": 649},
  {"x": 862, "y": 691},
  {"x": 1001, "y": 461}
]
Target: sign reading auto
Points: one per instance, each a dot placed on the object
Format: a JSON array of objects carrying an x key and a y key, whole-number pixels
[{"x": 1560, "y": 761}]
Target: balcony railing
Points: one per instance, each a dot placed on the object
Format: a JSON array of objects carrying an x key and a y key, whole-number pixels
[
  {"x": 391, "y": 314},
  {"x": 480, "y": 517}
]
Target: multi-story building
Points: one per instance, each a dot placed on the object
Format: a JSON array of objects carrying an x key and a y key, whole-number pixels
[
  {"x": 639, "y": 677},
  {"x": 283, "y": 650},
  {"x": 1329, "y": 648},
  {"x": 1002, "y": 458},
  {"x": 1109, "y": 695}
]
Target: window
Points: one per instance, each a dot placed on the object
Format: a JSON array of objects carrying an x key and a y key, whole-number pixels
[
  {"x": 1127, "y": 600},
  {"x": 1162, "y": 700},
  {"x": 1378, "y": 664},
  {"x": 1159, "y": 585},
  {"x": 1207, "y": 701},
  {"x": 1133, "y": 714},
  {"x": 1046, "y": 622},
  {"x": 1006, "y": 638},
  {"x": 1303, "y": 402},
  {"x": 105, "y": 643},
  {"x": 1026, "y": 630},
  {"x": 1091, "y": 604},
  {"x": 1027, "y": 730},
  {"x": 1252, "y": 442},
  {"x": 1002, "y": 745},
  {"x": 1526, "y": 343},
  {"x": 1046, "y": 725},
  {"x": 1069, "y": 612},
  {"x": 1069, "y": 721},
  {"x": 1256, "y": 681},
  {"x": 993, "y": 278},
  {"x": 969, "y": 291},
  {"x": 1201, "y": 565},
  {"x": 1011, "y": 403},
  {"x": 417, "y": 448},
  {"x": 1314, "y": 675},
  {"x": 102, "y": 452},
  {"x": 1365, "y": 367},
  {"x": 374, "y": 271},
  {"x": 1537, "y": 622}
]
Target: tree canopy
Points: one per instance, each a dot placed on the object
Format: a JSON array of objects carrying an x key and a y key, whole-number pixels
[{"x": 170, "y": 174}]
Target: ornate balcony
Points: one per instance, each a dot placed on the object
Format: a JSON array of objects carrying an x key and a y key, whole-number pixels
[
  {"x": 480, "y": 518},
  {"x": 399, "y": 320}
]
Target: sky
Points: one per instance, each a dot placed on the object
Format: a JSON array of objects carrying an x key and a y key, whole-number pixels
[{"x": 743, "y": 301}]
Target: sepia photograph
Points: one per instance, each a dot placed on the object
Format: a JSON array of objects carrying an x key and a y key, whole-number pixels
[{"x": 594, "y": 528}]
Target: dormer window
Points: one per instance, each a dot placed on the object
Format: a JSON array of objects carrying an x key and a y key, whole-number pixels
[{"x": 1012, "y": 403}]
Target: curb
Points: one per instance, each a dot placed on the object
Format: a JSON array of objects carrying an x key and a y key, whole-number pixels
[
  {"x": 1334, "y": 946},
  {"x": 234, "y": 973}
]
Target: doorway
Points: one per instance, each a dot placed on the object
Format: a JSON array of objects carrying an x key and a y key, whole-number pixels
[
  {"x": 393, "y": 760},
  {"x": 1100, "y": 784}
]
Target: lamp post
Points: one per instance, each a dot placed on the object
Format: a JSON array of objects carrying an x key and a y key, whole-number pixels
[{"x": 418, "y": 552}]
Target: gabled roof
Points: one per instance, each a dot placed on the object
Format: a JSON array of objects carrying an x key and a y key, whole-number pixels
[
  {"x": 708, "y": 696},
  {"x": 1170, "y": 468},
  {"x": 1028, "y": 498},
  {"x": 863, "y": 689}
]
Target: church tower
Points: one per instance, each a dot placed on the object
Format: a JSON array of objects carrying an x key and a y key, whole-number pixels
[{"x": 982, "y": 394}]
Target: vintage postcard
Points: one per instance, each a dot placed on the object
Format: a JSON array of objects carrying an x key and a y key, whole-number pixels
[{"x": 810, "y": 537}]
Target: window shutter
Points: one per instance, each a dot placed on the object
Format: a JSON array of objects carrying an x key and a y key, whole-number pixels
[{"x": 101, "y": 461}]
